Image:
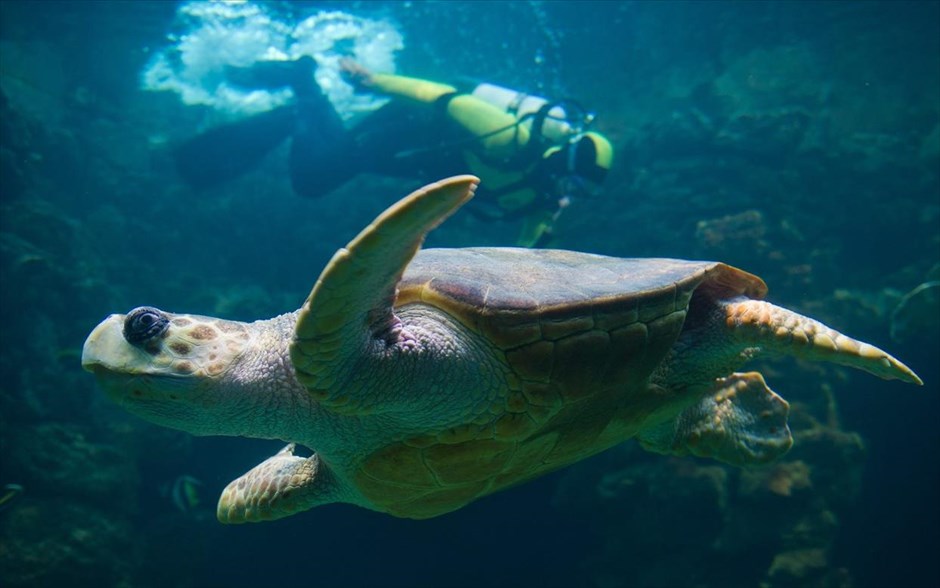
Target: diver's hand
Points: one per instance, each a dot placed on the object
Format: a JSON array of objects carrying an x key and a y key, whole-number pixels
[{"x": 355, "y": 74}]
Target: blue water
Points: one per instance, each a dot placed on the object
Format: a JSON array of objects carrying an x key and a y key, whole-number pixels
[{"x": 797, "y": 140}]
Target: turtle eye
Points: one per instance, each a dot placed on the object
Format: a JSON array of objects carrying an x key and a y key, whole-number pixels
[{"x": 144, "y": 323}]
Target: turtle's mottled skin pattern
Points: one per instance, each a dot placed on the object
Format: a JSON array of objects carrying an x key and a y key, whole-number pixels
[{"x": 424, "y": 380}]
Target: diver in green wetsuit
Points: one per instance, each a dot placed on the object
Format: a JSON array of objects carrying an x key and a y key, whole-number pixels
[{"x": 533, "y": 157}]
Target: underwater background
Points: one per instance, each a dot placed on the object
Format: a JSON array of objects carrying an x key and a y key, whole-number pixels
[{"x": 797, "y": 140}]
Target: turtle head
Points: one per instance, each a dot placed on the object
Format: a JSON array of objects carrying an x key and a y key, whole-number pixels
[{"x": 166, "y": 368}]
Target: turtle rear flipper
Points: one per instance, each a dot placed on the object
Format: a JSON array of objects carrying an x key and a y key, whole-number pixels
[
  {"x": 740, "y": 421},
  {"x": 280, "y": 486},
  {"x": 763, "y": 326},
  {"x": 352, "y": 301}
]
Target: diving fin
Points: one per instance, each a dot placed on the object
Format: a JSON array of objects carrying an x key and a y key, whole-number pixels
[{"x": 270, "y": 75}]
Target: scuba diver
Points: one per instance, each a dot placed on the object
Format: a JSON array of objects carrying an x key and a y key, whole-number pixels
[{"x": 533, "y": 156}]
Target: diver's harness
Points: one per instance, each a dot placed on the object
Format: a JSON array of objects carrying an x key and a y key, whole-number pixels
[{"x": 572, "y": 127}]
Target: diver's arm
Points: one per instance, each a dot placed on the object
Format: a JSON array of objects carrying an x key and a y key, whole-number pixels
[
  {"x": 412, "y": 88},
  {"x": 499, "y": 132}
]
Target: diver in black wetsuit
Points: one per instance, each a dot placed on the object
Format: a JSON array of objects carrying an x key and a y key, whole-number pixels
[{"x": 530, "y": 158}]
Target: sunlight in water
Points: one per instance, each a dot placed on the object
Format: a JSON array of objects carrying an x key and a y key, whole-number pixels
[{"x": 212, "y": 35}]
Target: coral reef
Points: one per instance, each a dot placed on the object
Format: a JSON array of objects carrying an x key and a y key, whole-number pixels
[
  {"x": 60, "y": 543},
  {"x": 684, "y": 522}
]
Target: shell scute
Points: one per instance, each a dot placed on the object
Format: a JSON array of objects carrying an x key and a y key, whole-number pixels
[
  {"x": 576, "y": 442},
  {"x": 399, "y": 464},
  {"x": 625, "y": 366},
  {"x": 579, "y": 364},
  {"x": 611, "y": 316},
  {"x": 516, "y": 402},
  {"x": 542, "y": 394},
  {"x": 657, "y": 304},
  {"x": 471, "y": 461},
  {"x": 528, "y": 460},
  {"x": 533, "y": 362},
  {"x": 458, "y": 434},
  {"x": 430, "y": 505},
  {"x": 514, "y": 426},
  {"x": 509, "y": 329},
  {"x": 554, "y": 329}
]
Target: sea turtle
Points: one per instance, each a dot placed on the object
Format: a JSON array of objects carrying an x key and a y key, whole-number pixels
[{"x": 426, "y": 379}]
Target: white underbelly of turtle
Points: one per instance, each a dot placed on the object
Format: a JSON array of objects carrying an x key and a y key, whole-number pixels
[{"x": 423, "y": 380}]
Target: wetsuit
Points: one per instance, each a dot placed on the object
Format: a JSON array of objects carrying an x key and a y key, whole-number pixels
[{"x": 428, "y": 131}]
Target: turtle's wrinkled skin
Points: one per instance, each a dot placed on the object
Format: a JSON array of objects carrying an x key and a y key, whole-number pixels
[{"x": 425, "y": 380}]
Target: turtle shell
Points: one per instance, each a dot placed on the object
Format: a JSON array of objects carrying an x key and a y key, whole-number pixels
[{"x": 580, "y": 335}]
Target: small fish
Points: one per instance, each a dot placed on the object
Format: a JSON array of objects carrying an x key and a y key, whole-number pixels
[
  {"x": 185, "y": 493},
  {"x": 8, "y": 495}
]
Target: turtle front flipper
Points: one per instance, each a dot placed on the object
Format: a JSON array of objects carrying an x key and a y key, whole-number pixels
[
  {"x": 352, "y": 301},
  {"x": 280, "y": 486},
  {"x": 740, "y": 421}
]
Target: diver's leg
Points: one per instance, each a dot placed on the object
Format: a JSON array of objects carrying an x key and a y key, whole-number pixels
[
  {"x": 398, "y": 140},
  {"x": 225, "y": 152},
  {"x": 228, "y": 151},
  {"x": 322, "y": 155}
]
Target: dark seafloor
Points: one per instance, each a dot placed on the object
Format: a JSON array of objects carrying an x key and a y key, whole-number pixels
[{"x": 799, "y": 141}]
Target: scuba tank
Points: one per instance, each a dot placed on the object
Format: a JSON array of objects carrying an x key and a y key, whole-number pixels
[{"x": 556, "y": 125}]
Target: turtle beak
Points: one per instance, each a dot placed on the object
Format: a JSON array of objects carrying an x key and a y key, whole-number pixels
[{"x": 105, "y": 345}]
